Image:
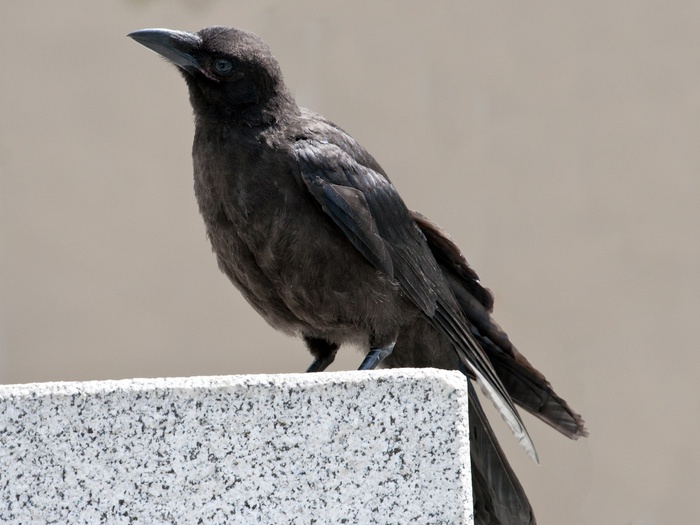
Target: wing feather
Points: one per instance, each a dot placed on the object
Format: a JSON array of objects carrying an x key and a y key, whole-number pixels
[{"x": 362, "y": 202}]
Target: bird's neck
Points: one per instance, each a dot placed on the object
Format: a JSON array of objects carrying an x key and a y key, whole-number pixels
[{"x": 262, "y": 113}]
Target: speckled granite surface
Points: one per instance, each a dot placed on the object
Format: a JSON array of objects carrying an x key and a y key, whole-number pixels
[{"x": 347, "y": 447}]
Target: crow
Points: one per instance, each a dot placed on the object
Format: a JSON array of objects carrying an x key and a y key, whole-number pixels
[{"x": 308, "y": 226}]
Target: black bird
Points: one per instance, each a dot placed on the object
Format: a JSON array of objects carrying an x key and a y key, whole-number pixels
[{"x": 308, "y": 227}]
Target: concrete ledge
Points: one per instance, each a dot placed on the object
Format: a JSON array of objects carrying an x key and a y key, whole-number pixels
[{"x": 349, "y": 447}]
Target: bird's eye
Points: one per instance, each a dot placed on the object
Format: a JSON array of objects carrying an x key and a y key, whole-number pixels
[{"x": 223, "y": 66}]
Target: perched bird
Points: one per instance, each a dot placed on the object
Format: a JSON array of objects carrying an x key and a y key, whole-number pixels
[{"x": 307, "y": 225}]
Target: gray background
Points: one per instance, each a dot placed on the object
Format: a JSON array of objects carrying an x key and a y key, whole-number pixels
[{"x": 557, "y": 142}]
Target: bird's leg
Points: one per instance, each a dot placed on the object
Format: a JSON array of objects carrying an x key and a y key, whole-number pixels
[
  {"x": 323, "y": 352},
  {"x": 376, "y": 356},
  {"x": 321, "y": 363}
]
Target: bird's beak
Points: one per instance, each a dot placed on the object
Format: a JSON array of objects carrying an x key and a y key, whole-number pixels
[{"x": 177, "y": 46}]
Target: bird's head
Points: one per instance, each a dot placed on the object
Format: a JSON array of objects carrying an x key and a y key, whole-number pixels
[{"x": 231, "y": 73}]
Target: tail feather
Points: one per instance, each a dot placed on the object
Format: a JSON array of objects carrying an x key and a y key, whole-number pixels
[
  {"x": 499, "y": 498},
  {"x": 526, "y": 385},
  {"x": 534, "y": 393}
]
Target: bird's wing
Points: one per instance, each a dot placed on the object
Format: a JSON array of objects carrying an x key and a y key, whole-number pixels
[
  {"x": 365, "y": 206},
  {"x": 448, "y": 255},
  {"x": 526, "y": 385}
]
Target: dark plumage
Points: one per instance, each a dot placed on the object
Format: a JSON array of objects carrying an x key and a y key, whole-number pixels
[{"x": 308, "y": 227}]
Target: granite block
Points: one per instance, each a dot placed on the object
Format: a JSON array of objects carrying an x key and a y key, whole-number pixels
[{"x": 378, "y": 447}]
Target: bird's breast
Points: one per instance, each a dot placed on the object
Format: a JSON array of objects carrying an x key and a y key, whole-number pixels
[{"x": 285, "y": 255}]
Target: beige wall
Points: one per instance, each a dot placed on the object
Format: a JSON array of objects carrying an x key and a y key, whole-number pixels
[{"x": 558, "y": 142}]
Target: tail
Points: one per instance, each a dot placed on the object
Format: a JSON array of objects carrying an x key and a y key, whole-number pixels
[
  {"x": 527, "y": 386},
  {"x": 499, "y": 498}
]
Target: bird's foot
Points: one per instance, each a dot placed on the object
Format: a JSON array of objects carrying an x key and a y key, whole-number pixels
[
  {"x": 323, "y": 350},
  {"x": 321, "y": 363},
  {"x": 376, "y": 356}
]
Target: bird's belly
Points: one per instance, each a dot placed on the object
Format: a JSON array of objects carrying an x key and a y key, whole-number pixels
[{"x": 304, "y": 277}]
